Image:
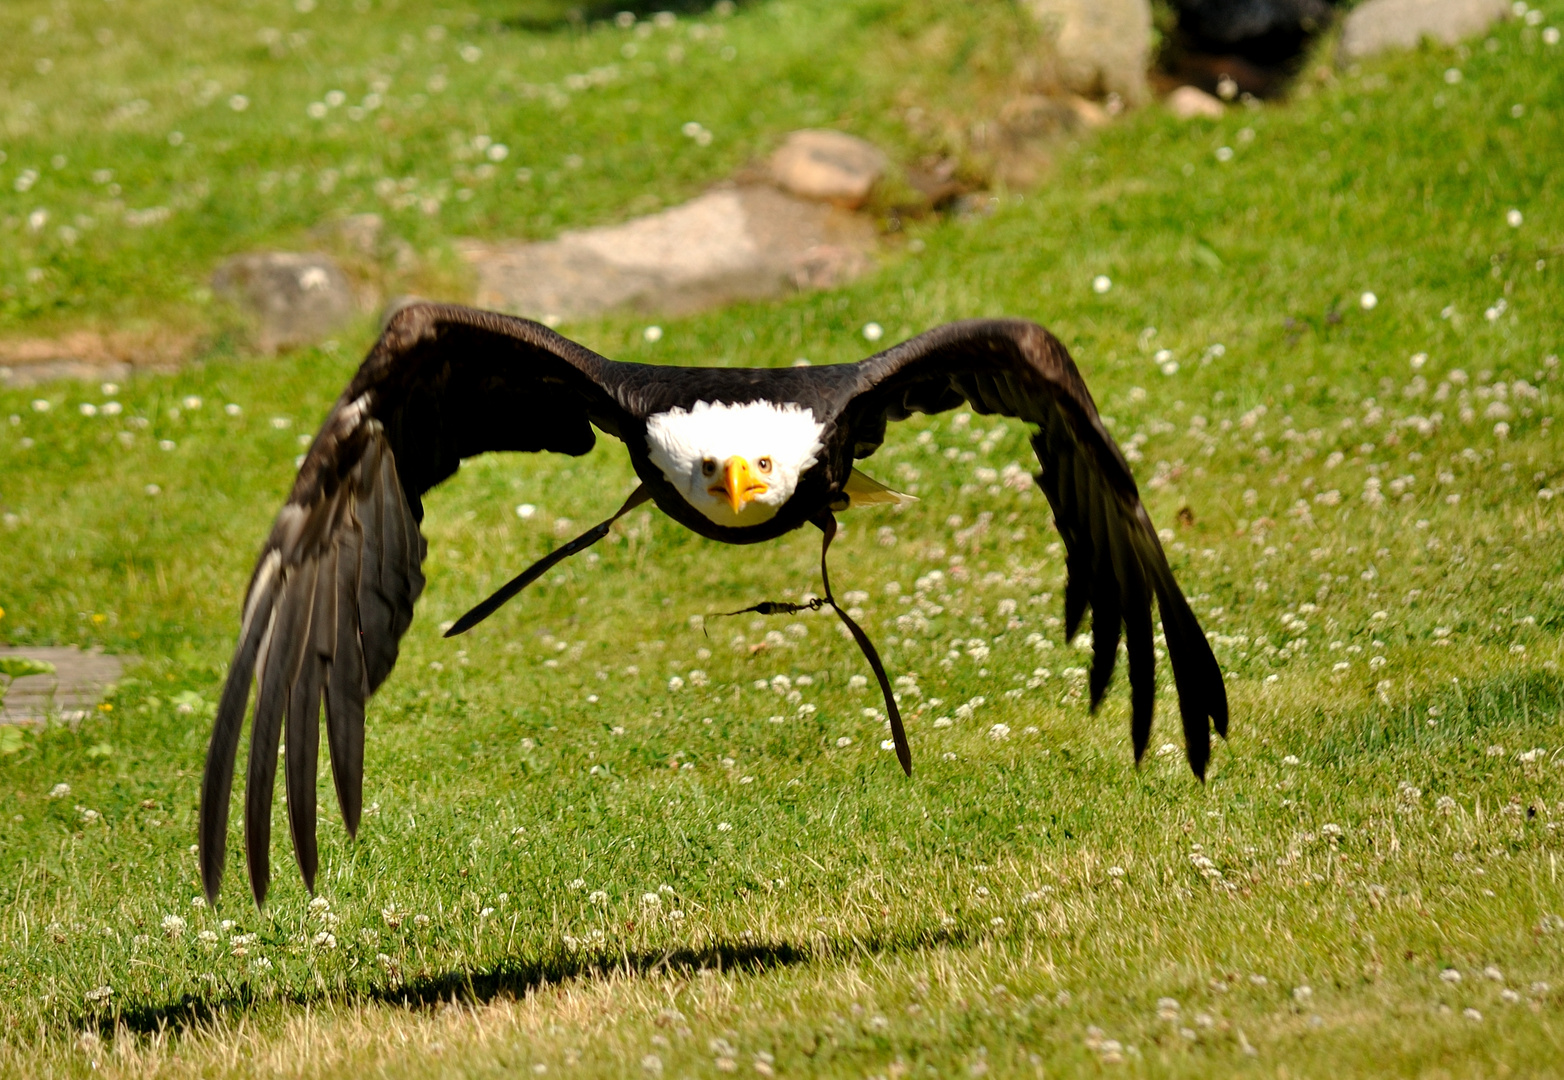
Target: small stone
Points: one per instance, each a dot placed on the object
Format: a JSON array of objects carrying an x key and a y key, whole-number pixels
[
  {"x": 360, "y": 232},
  {"x": 1193, "y": 103},
  {"x": 829, "y": 166}
]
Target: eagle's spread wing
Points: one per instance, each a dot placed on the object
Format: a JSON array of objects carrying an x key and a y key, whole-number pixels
[
  {"x": 334, "y": 589},
  {"x": 1114, "y": 561}
]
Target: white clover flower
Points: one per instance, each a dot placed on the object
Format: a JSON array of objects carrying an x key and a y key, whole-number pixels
[
  {"x": 999, "y": 732},
  {"x": 598, "y": 897},
  {"x": 173, "y": 925},
  {"x": 651, "y": 900},
  {"x": 845, "y": 740},
  {"x": 324, "y": 940},
  {"x": 1450, "y": 975},
  {"x": 723, "y": 826},
  {"x": 1101, "y": 284},
  {"x": 59, "y": 791},
  {"x": 100, "y": 995},
  {"x": 873, "y": 331},
  {"x": 1368, "y": 301}
]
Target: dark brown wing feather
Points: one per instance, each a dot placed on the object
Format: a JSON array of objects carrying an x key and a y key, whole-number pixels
[
  {"x": 334, "y": 589},
  {"x": 1113, "y": 560}
]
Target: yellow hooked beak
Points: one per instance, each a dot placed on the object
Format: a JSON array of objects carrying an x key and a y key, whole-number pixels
[{"x": 738, "y": 484}]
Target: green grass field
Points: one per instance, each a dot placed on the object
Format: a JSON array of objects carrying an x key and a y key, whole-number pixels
[{"x": 574, "y": 863}]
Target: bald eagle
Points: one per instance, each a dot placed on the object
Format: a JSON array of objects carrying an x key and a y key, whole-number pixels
[{"x": 739, "y": 455}]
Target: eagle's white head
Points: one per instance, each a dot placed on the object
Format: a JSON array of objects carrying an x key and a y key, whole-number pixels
[{"x": 736, "y": 464}]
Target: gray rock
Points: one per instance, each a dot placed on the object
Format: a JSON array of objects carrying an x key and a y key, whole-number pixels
[
  {"x": 731, "y": 244},
  {"x": 79, "y": 682},
  {"x": 1101, "y": 47},
  {"x": 827, "y": 165},
  {"x": 362, "y": 233},
  {"x": 1377, "y": 25},
  {"x": 1191, "y": 102},
  {"x": 296, "y": 299},
  {"x": 365, "y": 236}
]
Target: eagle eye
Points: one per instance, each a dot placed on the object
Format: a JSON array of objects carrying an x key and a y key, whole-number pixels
[
  {"x": 764, "y": 464},
  {"x": 709, "y": 467}
]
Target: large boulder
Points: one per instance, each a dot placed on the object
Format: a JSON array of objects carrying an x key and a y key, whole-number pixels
[
  {"x": 1377, "y": 25},
  {"x": 1101, "y": 47},
  {"x": 295, "y": 299},
  {"x": 827, "y": 165},
  {"x": 735, "y": 243}
]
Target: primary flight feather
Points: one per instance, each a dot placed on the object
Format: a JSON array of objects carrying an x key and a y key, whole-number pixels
[{"x": 738, "y": 455}]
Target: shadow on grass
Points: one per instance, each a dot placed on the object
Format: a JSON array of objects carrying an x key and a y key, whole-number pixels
[{"x": 510, "y": 978}]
